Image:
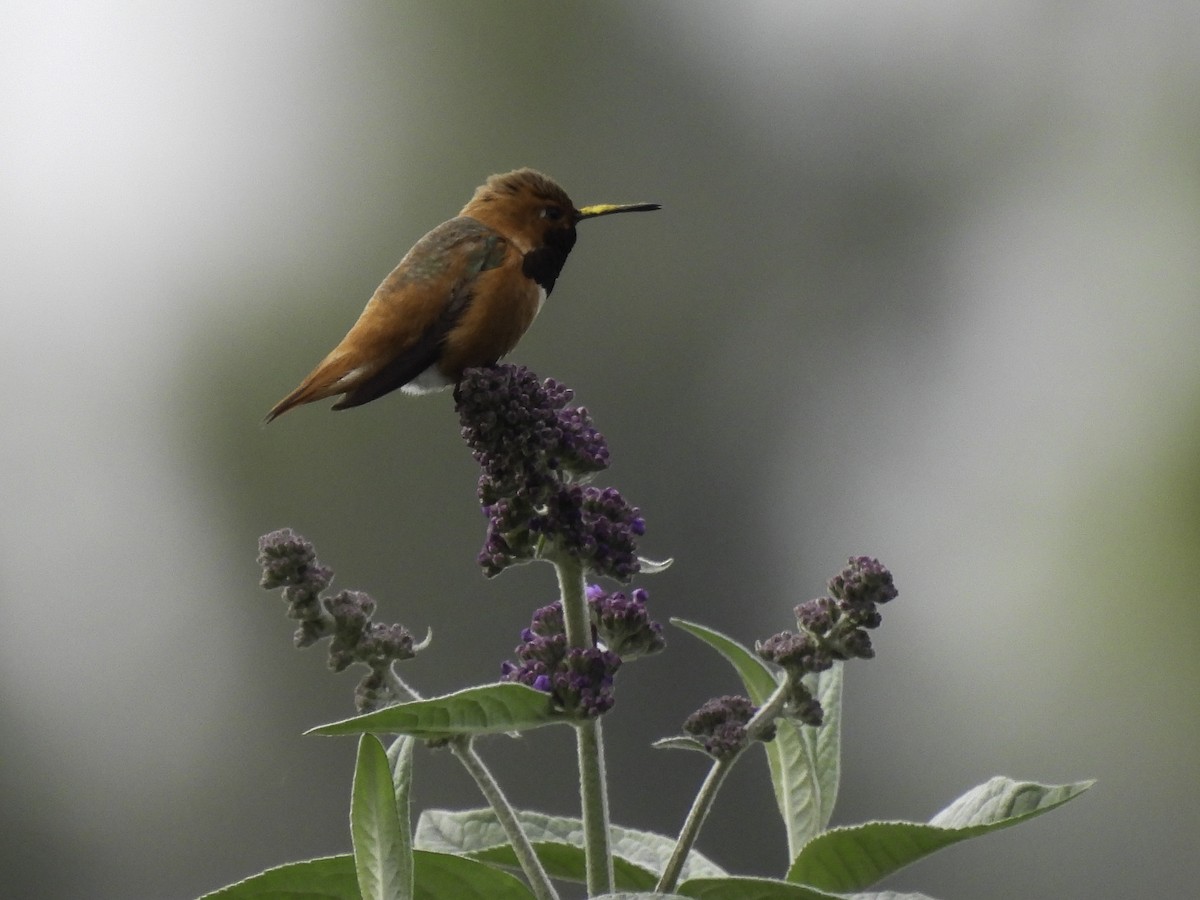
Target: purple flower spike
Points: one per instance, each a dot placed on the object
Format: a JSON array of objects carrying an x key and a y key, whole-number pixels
[{"x": 535, "y": 451}]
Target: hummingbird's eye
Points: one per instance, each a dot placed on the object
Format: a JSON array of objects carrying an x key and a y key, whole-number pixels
[{"x": 553, "y": 213}]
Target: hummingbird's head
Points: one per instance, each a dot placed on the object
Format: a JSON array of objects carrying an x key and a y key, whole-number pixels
[{"x": 532, "y": 211}]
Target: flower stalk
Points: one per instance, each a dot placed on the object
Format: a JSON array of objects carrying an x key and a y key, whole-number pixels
[
  {"x": 760, "y": 726},
  {"x": 463, "y": 749},
  {"x": 536, "y": 453},
  {"x": 593, "y": 790}
]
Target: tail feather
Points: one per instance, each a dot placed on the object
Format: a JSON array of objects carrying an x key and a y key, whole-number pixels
[
  {"x": 327, "y": 379},
  {"x": 298, "y": 397}
]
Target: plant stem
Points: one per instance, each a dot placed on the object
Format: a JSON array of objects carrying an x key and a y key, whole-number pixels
[
  {"x": 577, "y": 619},
  {"x": 767, "y": 713},
  {"x": 762, "y": 719},
  {"x": 691, "y": 826},
  {"x": 398, "y": 685},
  {"x": 593, "y": 795},
  {"x": 539, "y": 881},
  {"x": 593, "y": 788}
]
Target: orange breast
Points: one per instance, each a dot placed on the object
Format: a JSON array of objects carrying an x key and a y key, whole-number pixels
[{"x": 503, "y": 305}]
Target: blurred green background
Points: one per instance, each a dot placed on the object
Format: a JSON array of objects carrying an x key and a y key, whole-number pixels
[{"x": 924, "y": 286}]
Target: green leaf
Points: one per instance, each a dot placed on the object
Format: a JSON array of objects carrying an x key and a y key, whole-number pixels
[
  {"x": 823, "y": 745},
  {"x": 488, "y": 709},
  {"x": 442, "y": 875},
  {"x": 382, "y": 855},
  {"x": 639, "y": 856},
  {"x": 805, "y": 762},
  {"x": 400, "y": 759},
  {"x": 848, "y": 859},
  {"x": 770, "y": 889},
  {"x": 328, "y": 878},
  {"x": 749, "y": 889},
  {"x": 438, "y": 876},
  {"x": 679, "y": 742},
  {"x": 1002, "y": 800}
]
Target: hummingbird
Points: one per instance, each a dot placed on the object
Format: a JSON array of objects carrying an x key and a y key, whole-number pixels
[{"x": 462, "y": 296}]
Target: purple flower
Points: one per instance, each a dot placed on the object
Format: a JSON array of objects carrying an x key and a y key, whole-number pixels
[
  {"x": 522, "y": 433},
  {"x": 863, "y": 583},
  {"x": 289, "y": 561},
  {"x": 817, "y": 616},
  {"x": 720, "y": 725},
  {"x": 583, "y": 684},
  {"x": 798, "y": 653},
  {"x": 580, "y": 680},
  {"x": 622, "y": 623},
  {"x": 534, "y": 452},
  {"x": 830, "y": 629}
]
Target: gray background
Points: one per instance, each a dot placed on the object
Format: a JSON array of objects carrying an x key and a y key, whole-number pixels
[{"x": 924, "y": 287}]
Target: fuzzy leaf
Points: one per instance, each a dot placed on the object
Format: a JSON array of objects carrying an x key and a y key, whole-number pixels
[
  {"x": 438, "y": 876},
  {"x": 849, "y": 859},
  {"x": 328, "y": 878},
  {"x": 770, "y": 889},
  {"x": 400, "y": 759},
  {"x": 488, "y": 709},
  {"x": 382, "y": 855},
  {"x": 824, "y": 744},
  {"x": 442, "y": 875},
  {"x": 639, "y": 856},
  {"x": 679, "y": 742},
  {"x": 750, "y": 889}
]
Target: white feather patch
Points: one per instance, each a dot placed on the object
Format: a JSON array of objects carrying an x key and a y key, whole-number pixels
[{"x": 428, "y": 381}]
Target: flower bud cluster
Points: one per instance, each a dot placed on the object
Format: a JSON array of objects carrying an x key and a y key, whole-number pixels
[
  {"x": 289, "y": 561},
  {"x": 830, "y": 629},
  {"x": 534, "y": 451},
  {"x": 720, "y": 725},
  {"x": 580, "y": 681},
  {"x": 622, "y": 624}
]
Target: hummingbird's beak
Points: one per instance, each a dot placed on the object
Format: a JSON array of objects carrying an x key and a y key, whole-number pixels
[{"x": 605, "y": 209}]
